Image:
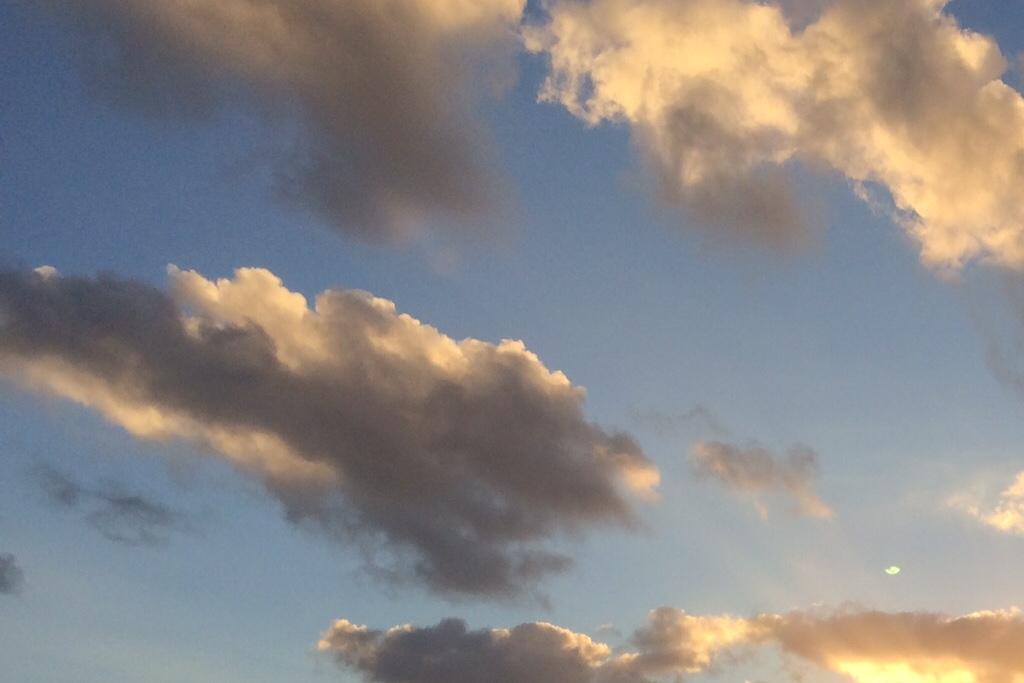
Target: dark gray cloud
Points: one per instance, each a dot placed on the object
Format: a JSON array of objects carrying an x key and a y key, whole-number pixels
[
  {"x": 376, "y": 131},
  {"x": 120, "y": 515},
  {"x": 863, "y": 645},
  {"x": 754, "y": 471},
  {"x": 672, "y": 642},
  {"x": 528, "y": 653},
  {"x": 11, "y": 575},
  {"x": 451, "y": 462}
]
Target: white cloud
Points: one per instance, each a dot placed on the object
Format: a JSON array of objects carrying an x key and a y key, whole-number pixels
[{"x": 722, "y": 95}]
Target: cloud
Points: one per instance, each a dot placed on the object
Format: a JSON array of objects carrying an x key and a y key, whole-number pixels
[
  {"x": 119, "y": 515},
  {"x": 723, "y": 96},
  {"x": 666, "y": 424},
  {"x": 911, "y": 647},
  {"x": 11, "y": 575},
  {"x": 866, "y": 646},
  {"x": 676, "y": 642},
  {"x": 450, "y": 462},
  {"x": 1008, "y": 514},
  {"x": 373, "y": 98},
  {"x": 535, "y": 652},
  {"x": 755, "y": 471},
  {"x": 1002, "y": 327}
]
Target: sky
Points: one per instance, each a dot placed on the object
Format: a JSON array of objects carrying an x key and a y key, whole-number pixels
[{"x": 600, "y": 341}]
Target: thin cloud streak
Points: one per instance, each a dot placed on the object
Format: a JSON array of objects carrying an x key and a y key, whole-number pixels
[
  {"x": 120, "y": 516},
  {"x": 668, "y": 424}
]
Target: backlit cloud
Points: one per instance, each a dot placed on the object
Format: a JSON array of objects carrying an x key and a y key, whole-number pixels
[
  {"x": 911, "y": 647},
  {"x": 374, "y": 96},
  {"x": 722, "y": 95},
  {"x": 755, "y": 471},
  {"x": 865, "y": 646},
  {"x": 452, "y": 462}
]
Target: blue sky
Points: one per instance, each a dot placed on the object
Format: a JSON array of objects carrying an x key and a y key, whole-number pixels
[{"x": 849, "y": 345}]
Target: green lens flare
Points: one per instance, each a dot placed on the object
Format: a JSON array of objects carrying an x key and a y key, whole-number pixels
[{"x": 893, "y": 570}]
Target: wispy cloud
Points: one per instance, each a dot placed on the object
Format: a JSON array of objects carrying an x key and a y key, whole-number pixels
[
  {"x": 120, "y": 515},
  {"x": 668, "y": 424},
  {"x": 11, "y": 575},
  {"x": 754, "y": 471}
]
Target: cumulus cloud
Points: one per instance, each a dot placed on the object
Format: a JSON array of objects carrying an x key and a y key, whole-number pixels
[
  {"x": 11, "y": 575},
  {"x": 534, "y": 652},
  {"x": 450, "y": 462},
  {"x": 1007, "y": 516},
  {"x": 722, "y": 96},
  {"x": 755, "y": 471},
  {"x": 866, "y": 646},
  {"x": 374, "y": 97},
  {"x": 119, "y": 515}
]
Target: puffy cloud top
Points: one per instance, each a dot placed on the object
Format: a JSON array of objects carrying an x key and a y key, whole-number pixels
[
  {"x": 722, "y": 94},
  {"x": 460, "y": 457},
  {"x": 535, "y": 652}
]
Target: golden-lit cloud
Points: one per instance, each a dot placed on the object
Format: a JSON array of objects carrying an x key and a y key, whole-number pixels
[
  {"x": 722, "y": 96},
  {"x": 372, "y": 100},
  {"x": 908, "y": 647},
  {"x": 864, "y": 646},
  {"x": 453, "y": 461},
  {"x": 1007, "y": 516}
]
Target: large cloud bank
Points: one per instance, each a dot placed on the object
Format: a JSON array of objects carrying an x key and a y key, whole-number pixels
[
  {"x": 451, "y": 462},
  {"x": 721, "y": 95},
  {"x": 866, "y": 646},
  {"x": 377, "y": 95}
]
